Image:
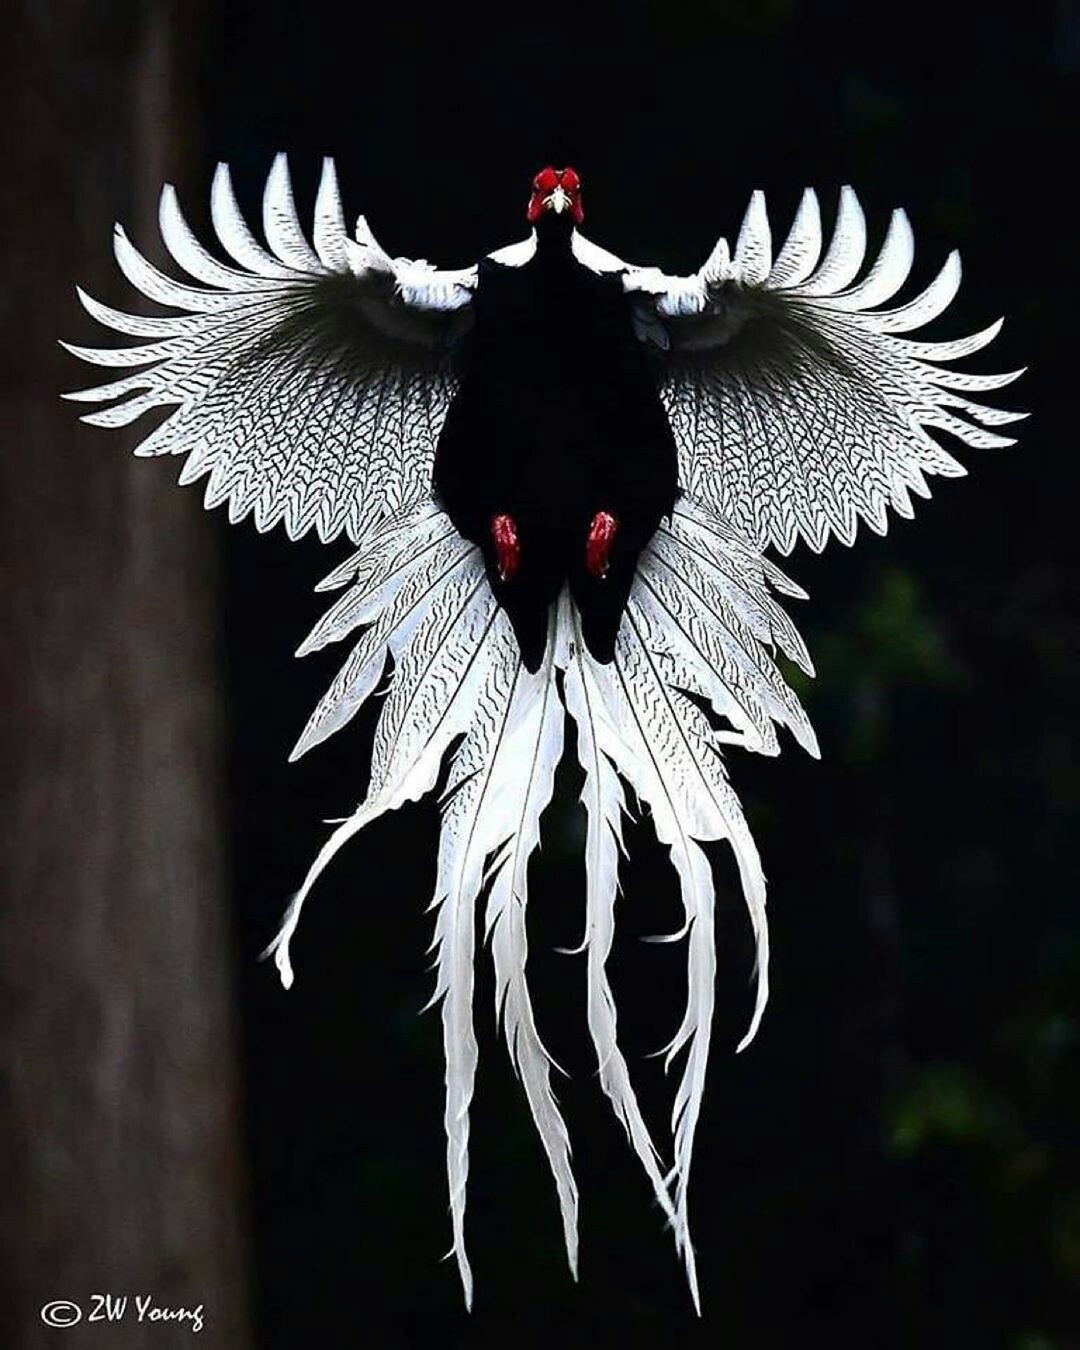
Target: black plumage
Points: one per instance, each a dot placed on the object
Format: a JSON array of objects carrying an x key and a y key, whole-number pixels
[{"x": 557, "y": 418}]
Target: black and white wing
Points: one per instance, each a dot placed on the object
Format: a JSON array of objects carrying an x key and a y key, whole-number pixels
[
  {"x": 308, "y": 383},
  {"x": 798, "y": 405}
]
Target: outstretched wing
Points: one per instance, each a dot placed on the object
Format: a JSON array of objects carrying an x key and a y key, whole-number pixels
[
  {"x": 309, "y": 384},
  {"x": 797, "y": 408}
]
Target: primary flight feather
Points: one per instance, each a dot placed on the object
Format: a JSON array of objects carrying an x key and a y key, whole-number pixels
[{"x": 559, "y": 470}]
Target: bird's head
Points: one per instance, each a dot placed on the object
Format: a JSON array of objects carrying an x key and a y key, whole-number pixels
[{"x": 556, "y": 191}]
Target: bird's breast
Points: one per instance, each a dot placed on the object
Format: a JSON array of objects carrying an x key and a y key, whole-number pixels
[{"x": 556, "y": 422}]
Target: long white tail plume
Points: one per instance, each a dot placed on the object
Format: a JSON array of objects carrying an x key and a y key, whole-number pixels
[
  {"x": 533, "y": 749},
  {"x": 475, "y": 822},
  {"x": 694, "y": 670},
  {"x": 602, "y": 795}
]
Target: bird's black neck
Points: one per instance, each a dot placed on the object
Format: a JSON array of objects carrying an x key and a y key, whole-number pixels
[{"x": 553, "y": 233}]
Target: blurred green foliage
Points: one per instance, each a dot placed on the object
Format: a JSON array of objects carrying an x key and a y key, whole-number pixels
[{"x": 888, "y": 639}]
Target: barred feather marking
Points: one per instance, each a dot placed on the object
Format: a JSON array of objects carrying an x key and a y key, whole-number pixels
[
  {"x": 458, "y": 671},
  {"x": 669, "y": 755},
  {"x": 309, "y": 390},
  {"x": 587, "y": 702},
  {"x": 802, "y": 248},
  {"x": 753, "y": 249},
  {"x": 435, "y": 679},
  {"x": 700, "y": 622},
  {"x": 533, "y": 748},
  {"x": 796, "y": 408},
  {"x": 394, "y": 610},
  {"x": 472, "y": 827}
]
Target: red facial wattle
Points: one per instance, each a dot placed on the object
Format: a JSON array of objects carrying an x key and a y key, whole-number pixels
[{"x": 544, "y": 187}]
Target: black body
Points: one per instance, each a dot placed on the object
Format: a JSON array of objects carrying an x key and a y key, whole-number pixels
[{"x": 557, "y": 418}]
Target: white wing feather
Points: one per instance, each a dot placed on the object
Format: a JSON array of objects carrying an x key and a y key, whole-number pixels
[
  {"x": 309, "y": 384},
  {"x": 797, "y": 409}
]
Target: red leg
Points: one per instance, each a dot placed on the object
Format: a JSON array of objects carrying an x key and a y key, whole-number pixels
[
  {"x": 507, "y": 546},
  {"x": 598, "y": 542}
]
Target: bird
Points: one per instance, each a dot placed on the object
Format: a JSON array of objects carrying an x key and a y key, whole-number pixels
[{"x": 560, "y": 474}]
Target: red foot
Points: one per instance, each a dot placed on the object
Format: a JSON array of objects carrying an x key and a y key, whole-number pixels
[
  {"x": 598, "y": 544},
  {"x": 507, "y": 546}
]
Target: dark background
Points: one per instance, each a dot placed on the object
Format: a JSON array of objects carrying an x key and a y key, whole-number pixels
[{"x": 894, "y": 1162}]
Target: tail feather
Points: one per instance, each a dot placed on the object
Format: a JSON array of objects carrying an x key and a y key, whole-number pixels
[
  {"x": 701, "y": 630},
  {"x": 726, "y": 644},
  {"x": 471, "y": 828},
  {"x": 605, "y": 803},
  {"x": 534, "y": 747},
  {"x": 663, "y": 747},
  {"x": 429, "y": 706},
  {"x": 602, "y": 795},
  {"x": 397, "y": 603},
  {"x": 698, "y": 896}
]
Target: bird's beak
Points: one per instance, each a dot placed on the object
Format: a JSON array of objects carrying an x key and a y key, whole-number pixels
[{"x": 558, "y": 202}]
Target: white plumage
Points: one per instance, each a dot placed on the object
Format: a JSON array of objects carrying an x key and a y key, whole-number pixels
[
  {"x": 825, "y": 417},
  {"x": 307, "y": 382},
  {"x": 457, "y": 672}
]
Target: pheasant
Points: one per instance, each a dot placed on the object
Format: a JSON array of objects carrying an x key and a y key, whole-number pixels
[{"x": 559, "y": 472}]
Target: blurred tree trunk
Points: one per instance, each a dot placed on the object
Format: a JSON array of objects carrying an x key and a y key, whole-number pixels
[{"x": 119, "y": 1156}]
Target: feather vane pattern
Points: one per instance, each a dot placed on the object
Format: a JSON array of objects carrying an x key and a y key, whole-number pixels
[
  {"x": 701, "y": 628},
  {"x": 295, "y": 381},
  {"x": 797, "y": 408}
]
